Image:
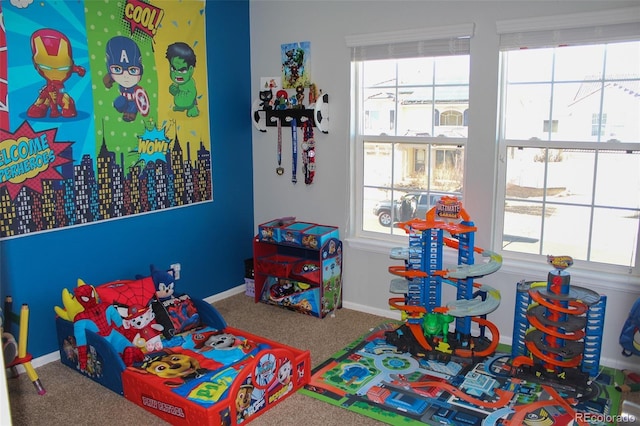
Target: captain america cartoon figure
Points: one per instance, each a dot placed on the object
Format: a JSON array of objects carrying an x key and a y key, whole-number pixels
[{"x": 124, "y": 66}]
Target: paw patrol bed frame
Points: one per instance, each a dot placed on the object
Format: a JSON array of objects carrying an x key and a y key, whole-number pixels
[{"x": 190, "y": 380}]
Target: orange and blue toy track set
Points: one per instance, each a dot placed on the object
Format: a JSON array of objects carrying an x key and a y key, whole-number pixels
[{"x": 422, "y": 277}]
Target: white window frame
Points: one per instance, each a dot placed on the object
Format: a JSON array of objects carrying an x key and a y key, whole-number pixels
[
  {"x": 432, "y": 41},
  {"x": 584, "y": 28}
]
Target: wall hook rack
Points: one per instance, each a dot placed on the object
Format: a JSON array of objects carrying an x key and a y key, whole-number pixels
[{"x": 318, "y": 115}]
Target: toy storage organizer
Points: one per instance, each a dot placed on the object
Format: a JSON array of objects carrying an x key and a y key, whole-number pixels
[
  {"x": 298, "y": 266},
  {"x": 229, "y": 385}
]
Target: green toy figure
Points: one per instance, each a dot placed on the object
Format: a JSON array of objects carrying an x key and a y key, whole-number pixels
[
  {"x": 182, "y": 62},
  {"x": 436, "y": 324}
]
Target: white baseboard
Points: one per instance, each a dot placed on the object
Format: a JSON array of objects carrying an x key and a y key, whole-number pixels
[
  {"x": 386, "y": 313},
  {"x": 40, "y": 361},
  {"x": 627, "y": 364},
  {"x": 227, "y": 293}
]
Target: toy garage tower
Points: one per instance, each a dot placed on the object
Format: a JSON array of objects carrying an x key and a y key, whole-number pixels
[
  {"x": 423, "y": 273},
  {"x": 558, "y": 327}
]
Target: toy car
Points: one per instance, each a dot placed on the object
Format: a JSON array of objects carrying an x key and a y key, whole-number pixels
[{"x": 410, "y": 205}]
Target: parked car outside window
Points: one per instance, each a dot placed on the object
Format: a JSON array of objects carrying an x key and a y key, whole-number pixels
[{"x": 409, "y": 206}]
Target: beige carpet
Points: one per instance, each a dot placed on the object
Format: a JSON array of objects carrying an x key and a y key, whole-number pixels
[{"x": 72, "y": 399}]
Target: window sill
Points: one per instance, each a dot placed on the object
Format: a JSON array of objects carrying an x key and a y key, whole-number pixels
[
  {"x": 379, "y": 246},
  {"x": 617, "y": 282},
  {"x": 370, "y": 244}
]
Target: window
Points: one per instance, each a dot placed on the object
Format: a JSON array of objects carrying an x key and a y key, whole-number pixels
[
  {"x": 451, "y": 118},
  {"x": 419, "y": 161},
  {"x": 567, "y": 179},
  {"x": 411, "y": 103},
  {"x": 570, "y": 144}
]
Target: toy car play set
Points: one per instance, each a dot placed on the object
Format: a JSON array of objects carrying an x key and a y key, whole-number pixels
[{"x": 433, "y": 359}]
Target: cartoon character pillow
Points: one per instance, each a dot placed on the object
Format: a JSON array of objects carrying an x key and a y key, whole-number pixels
[
  {"x": 177, "y": 315},
  {"x": 133, "y": 300},
  {"x": 142, "y": 329},
  {"x": 164, "y": 282}
]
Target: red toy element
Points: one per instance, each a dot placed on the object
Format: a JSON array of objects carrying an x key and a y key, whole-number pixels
[
  {"x": 141, "y": 329},
  {"x": 23, "y": 357},
  {"x": 298, "y": 266},
  {"x": 632, "y": 377},
  {"x": 633, "y": 382},
  {"x": 53, "y": 59},
  {"x": 133, "y": 299},
  {"x": 308, "y": 153},
  {"x": 101, "y": 318},
  {"x": 282, "y": 99},
  {"x": 130, "y": 297}
]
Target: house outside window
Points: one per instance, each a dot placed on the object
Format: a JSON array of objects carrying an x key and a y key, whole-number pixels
[
  {"x": 413, "y": 153},
  {"x": 572, "y": 185},
  {"x": 598, "y": 124},
  {"x": 567, "y": 180}
]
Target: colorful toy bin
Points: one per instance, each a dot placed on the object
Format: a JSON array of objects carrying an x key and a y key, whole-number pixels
[
  {"x": 300, "y": 234},
  {"x": 272, "y": 231},
  {"x": 318, "y": 235},
  {"x": 309, "y": 235}
]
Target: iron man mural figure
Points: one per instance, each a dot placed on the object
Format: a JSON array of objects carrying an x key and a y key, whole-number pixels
[{"x": 53, "y": 59}]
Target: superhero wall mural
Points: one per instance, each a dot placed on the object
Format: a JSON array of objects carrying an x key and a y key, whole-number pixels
[{"x": 103, "y": 111}]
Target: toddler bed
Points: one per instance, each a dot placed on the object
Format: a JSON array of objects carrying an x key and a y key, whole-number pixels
[{"x": 208, "y": 373}]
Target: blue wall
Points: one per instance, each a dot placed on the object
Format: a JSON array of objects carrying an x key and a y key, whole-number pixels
[{"x": 210, "y": 240}]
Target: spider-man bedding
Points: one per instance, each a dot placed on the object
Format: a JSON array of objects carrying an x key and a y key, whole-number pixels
[{"x": 208, "y": 374}]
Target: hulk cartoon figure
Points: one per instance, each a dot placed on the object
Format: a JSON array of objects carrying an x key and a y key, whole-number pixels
[{"x": 182, "y": 62}]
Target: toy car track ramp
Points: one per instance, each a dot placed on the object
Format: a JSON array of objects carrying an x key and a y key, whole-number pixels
[
  {"x": 463, "y": 307},
  {"x": 405, "y": 253},
  {"x": 476, "y": 270},
  {"x": 476, "y": 306},
  {"x": 399, "y": 286},
  {"x": 460, "y": 271}
]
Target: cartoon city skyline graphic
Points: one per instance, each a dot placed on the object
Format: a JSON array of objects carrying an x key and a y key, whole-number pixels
[{"x": 100, "y": 189}]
